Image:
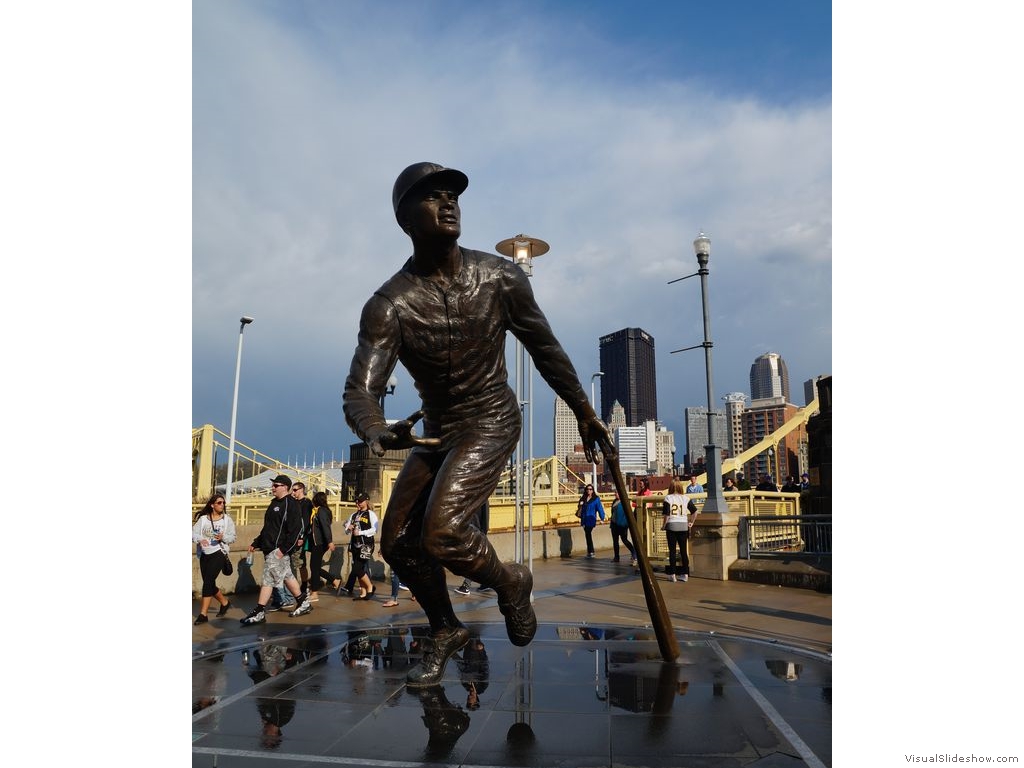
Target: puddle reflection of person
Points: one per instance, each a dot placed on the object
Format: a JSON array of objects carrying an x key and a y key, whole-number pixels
[
  {"x": 275, "y": 713},
  {"x": 474, "y": 671},
  {"x": 209, "y": 681}
]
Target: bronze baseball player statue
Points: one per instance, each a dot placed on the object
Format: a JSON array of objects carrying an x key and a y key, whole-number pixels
[{"x": 445, "y": 315}]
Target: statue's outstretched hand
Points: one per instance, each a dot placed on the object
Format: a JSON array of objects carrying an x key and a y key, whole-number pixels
[
  {"x": 596, "y": 437},
  {"x": 399, "y": 435}
]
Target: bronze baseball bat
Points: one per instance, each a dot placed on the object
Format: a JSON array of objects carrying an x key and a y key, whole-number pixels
[{"x": 652, "y": 592}]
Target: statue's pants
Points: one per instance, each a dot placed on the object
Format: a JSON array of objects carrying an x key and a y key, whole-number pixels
[{"x": 429, "y": 524}]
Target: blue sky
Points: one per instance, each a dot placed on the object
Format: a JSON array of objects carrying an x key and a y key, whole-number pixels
[{"x": 614, "y": 132}]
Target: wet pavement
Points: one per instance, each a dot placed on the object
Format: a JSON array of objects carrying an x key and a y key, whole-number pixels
[{"x": 752, "y": 686}]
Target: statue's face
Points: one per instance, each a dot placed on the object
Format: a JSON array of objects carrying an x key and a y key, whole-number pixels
[{"x": 433, "y": 213}]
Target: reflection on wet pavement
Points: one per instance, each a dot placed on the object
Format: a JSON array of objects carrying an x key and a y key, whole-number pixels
[{"x": 577, "y": 695}]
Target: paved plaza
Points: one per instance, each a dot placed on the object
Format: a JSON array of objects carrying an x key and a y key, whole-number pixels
[{"x": 752, "y": 685}]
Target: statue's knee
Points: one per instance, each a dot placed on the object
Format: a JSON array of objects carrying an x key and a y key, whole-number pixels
[{"x": 441, "y": 546}]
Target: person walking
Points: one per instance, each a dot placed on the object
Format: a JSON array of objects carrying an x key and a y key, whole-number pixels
[
  {"x": 320, "y": 543},
  {"x": 445, "y": 316},
  {"x": 213, "y": 530},
  {"x": 679, "y": 514},
  {"x": 589, "y": 509},
  {"x": 393, "y": 600},
  {"x": 620, "y": 530},
  {"x": 299, "y": 568},
  {"x": 280, "y": 534},
  {"x": 363, "y": 527}
]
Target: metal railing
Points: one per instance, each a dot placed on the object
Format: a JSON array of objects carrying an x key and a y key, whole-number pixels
[{"x": 772, "y": 536}]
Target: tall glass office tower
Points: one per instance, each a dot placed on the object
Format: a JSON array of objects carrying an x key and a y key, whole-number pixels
[
  {"x": 769, "y": 377},
  {"x": 627, "y": 359}
]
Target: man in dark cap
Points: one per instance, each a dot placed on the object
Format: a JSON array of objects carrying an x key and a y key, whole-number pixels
[
  {"x": 444, "y": 316},
  {"x": 280, "y": 535}
]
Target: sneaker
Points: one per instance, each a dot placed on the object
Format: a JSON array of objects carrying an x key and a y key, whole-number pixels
[
  {"x": 482, "y": 588},
  {"x": 462, "y": 589},
  {"x": 202, "y": 618},
  {"x": 590, "y": 555},
  {"x": 223, "y": 610},
  {"x": 633, "y": 562},
  {"x": 514, "y": 604},
  {"x": 402, "y": 586},
  {"x": 302, "y": 610},
  {"x": 672, "y": 577},
  {"x": 442, "y": 647},
  {"x": 255, "y": 617},
  {"x": 684, "y": 577},
  {"x": 272, "y": 608}
]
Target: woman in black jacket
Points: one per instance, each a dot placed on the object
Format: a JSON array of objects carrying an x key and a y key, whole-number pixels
[{"x": 321, "y": 542}]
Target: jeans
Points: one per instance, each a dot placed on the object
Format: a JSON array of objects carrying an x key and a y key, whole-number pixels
[{"x": 281, "y": 596}]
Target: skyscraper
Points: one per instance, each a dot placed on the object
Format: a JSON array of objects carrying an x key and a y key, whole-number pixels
[
  {"x": 567, "y": 436},
  {"x": 567, "y": 431},
  {"x": 697, "y": 432},
  {"x": 637, "y": 447},
  {"x": 735, "y": 404},
  {"x": 769, "y": 377},
  {"x": 618, "y": 416},
  {"x": 627, "y": 359}
]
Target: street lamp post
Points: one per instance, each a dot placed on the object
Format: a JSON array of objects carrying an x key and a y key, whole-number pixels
[
  {"x": 715, "y": 502},
  {"x": 593, "y": 402},
  {"x": 523, "y": 249},
  {"x": 388, "y": 390},
  {"x": 234, "y": 410}
]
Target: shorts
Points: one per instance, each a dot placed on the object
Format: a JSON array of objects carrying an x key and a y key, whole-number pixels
[{"x": 276, "y": 571}]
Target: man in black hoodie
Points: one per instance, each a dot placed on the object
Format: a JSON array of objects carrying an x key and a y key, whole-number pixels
[{"x": 280, "y": 535}]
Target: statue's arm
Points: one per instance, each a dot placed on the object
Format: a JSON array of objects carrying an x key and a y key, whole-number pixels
[
  {"x": 380, "y": 337},
  {"x": 528, "y": 324},
  {"x": 372, "y": 363}
]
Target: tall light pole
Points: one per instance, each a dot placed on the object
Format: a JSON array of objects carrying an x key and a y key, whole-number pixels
[
  {"x": 523, "y": 249},
  {"x": 593, "y": 402},
  {"x": 715, "y": 502},
  {"x": 388, "y": 390},
  {"x": 234, "y": 410}
]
